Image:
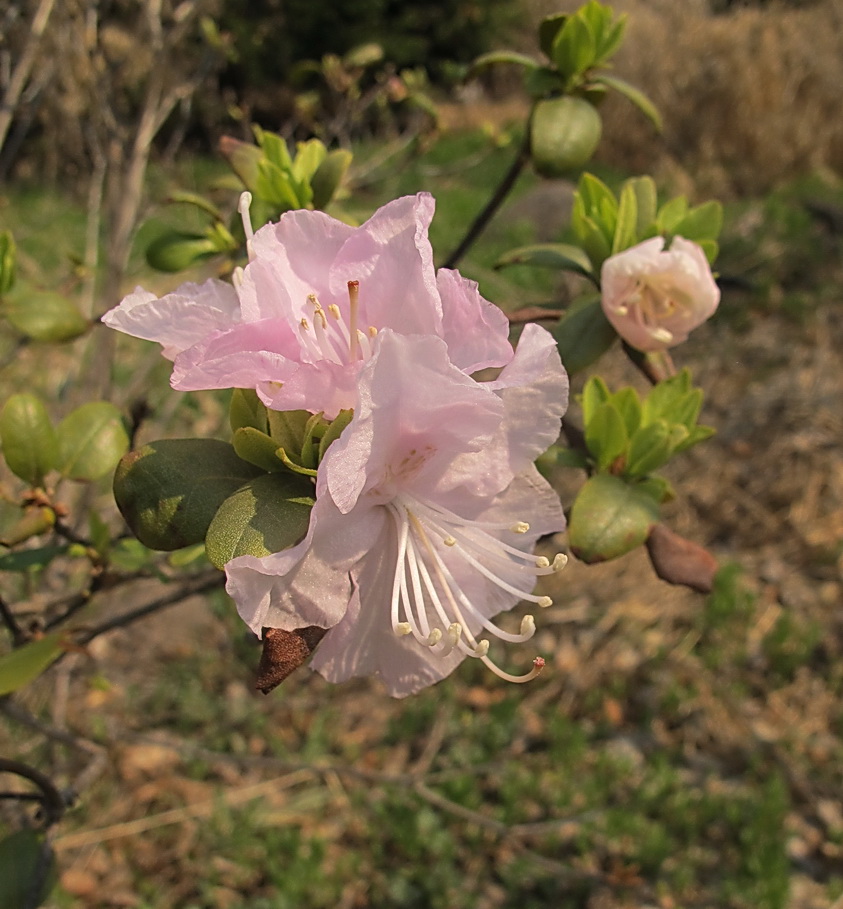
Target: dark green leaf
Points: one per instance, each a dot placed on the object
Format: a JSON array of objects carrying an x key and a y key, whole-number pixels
[
  {"x": 169, "y": 491},
  {"x": 328, "y": 177},
  {"x": 582, "y": 335},
  {"x": 92, "y": 439},
  {"x": 549, "y": 28},
  {"x": 175, "y": 250},
  {"x": 268, "y": 514},
  {"x": 247, "y": 409},
  {"x": 25, "y": 559},
  {"x": 30, "y": 445},
  {"x": 609, "y": 518},
  {"x": 495, "y": 57},
  {"x": 27, "y": 870}
]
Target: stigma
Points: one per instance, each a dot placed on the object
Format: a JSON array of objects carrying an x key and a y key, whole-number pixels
[{"x": 428, "y": 601}]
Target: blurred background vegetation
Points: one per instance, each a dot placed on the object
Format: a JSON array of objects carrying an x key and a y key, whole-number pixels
[{"x": 678, "y": 752}]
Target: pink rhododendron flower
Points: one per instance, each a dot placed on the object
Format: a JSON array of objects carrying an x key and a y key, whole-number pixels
[
  {"x": 427, "y": 511},
  {"x": 654, "y": 296},
  {"x": 300, "y": 322}
]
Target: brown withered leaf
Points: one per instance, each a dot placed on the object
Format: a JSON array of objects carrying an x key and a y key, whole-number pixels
[
  {"x": 284, "y": 652},
  {"x": 680, "y": 561}
]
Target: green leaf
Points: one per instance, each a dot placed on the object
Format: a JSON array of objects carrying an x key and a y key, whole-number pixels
[
  {"x": 582, "y": 335},
  {"x": 649, "y": 448},
  {"x": 543, "y": 81},
  {"x": 703, "y": 222},
  {"x": 309, "y": 155},
  {"x": 26, "y": 559},
  {"x": 549, "y": 28},
  {"x": 92, "y": 439},
  {"x": 610, "y": 39},
  {"x": 130, "y": 555},
  {"x": 647, "y": 201},
  {"x": 495, "y": 57},
  {"x": 247, "y": 409},
  {"x": 671, "y": 214},
  {"x": 275, "y": 149},
  {"x": 243, "y": 158},
  {"x": 334, "y": 431},
  {"x": 328, "y": 177},
  {"x": 564, "y": 256},
  {"x": 268, "y": 514},
  {"x": 574, "y": 48},
  {"x": 175, "y": 250},
  {"x": 8, "y": 256},
  {"x": 33, "y": 520},
  {"x": 30, "y": 445},
  {"x": 609, "y": 518},
  {"x": 629, "y": 406},
  {"x": 595, "y": 392},
  {"x": 626, "y": 226},
  {"x": 288, "y": 429},
  {"x": 169, "y": 491},
  {"x": 43, "y": 315},
  {"x": 257, "y": 448},
  {"x": 564, "y": 132},
  {"x": 711, "y": 248},
  {"x": 605, "y": 435},
  {"x": 635, "y": 95},
  {"x": 27, "y": 870},
  {"x": 695, "y": 435},
  {"x": 24, "y": 664},
  {"x": 183, "y": 197}
]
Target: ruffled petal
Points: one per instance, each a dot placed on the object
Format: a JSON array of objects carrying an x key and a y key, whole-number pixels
[
  {"x": 178, "y": 320},
  {"x": 475, "y": 330}
]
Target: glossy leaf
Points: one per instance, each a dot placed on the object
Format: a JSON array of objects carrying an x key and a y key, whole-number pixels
[
  {"x": 44, "y": 315},
  {"x": 582, "y": 335},
  {"x": 27, "y": 870},
  {"x": 268, "y": 514},
  {"x": 649, "y": 448},
  {"x": 170, "y": 490},
  {"x": 92, "y": 439},
  {"x": 30, "y": 445},
  {"x": 574, "y": 47},
  {"x": 24, "y": 664},
  {"x": 609, "y": 518}
]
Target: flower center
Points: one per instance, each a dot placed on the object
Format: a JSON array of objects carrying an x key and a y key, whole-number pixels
[
  {"x": 327, "y": 335},
  {"x": 428, "y": 600}
]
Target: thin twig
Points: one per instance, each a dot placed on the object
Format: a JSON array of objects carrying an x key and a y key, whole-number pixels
[
  {"x": 494, "y": 203},
  {"x": 52, "y": 801},
  {"x": 11, "y": 622}
]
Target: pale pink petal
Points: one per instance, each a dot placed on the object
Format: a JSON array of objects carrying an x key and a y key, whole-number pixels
[
  {"x": 655, "y": 297},
  {"x": 534, "y": 391},
  {"x": 476, "y": 331},
  {"x": 243, "y": 357},
  {"x": 391, "y": 258},
  {"x": 292, "y": 259},
  {"x": 414, "y": 414},
  {"x": 308, "y": 584},
  {"x": 178, "y": 320},
  {"x": 325, "y": 387}
]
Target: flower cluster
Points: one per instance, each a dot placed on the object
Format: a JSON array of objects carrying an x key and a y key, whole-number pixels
[{"x": 428, "y": 505}]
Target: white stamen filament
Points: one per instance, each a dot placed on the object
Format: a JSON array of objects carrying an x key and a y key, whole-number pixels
[
  {"x": 328, "y": 336},
  {"x": 243, "y": 207},
  {"x": 425, "y": 590}
]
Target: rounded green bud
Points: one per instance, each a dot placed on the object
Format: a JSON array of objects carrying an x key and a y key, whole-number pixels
[{"x": 564, "y": 133}]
